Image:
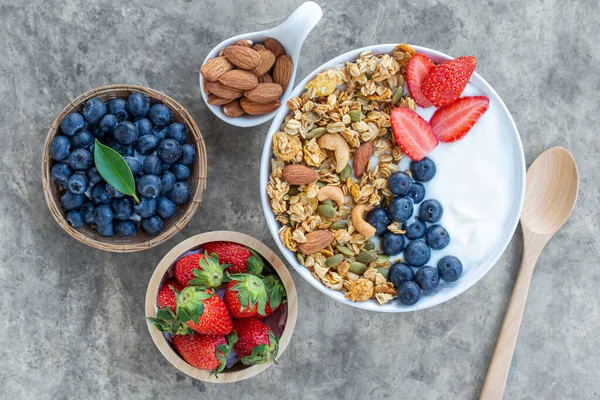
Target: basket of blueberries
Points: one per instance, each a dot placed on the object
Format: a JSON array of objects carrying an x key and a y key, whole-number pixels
[{"x": 124, "y": 168}]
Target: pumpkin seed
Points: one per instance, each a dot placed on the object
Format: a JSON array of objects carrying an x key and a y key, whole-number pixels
[
  {"x": 292, "y": 223},
  {"x": 369, "y": 246},
  {"x": 357, "y": 267},
  {"x": 383, "y": 258},
  {"x": 338, "y": 225},
  {"x": 355, "y": 115},
  {"x": 300, "y": 258},
  {"x": 397, "y": 95},
  {"x": 316, "y": 133},
  {"x": 334, "y": 261},
  {"x": 293, "y": 191},
  {"x": 345, "y": 174},
  {"x": 326, "y": 210},
  {"x": 329, "y": 202},
  {"x": 344, "y": 250},
  {"x": 383, "y": 271},
  {"x": 366, "y": 257}
]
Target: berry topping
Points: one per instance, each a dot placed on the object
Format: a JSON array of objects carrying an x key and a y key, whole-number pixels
[
  {"x": 412, "y": 133},
  {"x": 427, "y": 278},
  {"x": 450, "y": 268},
  {"x": 417, "y": 71},
  {"x": 447, "y": 81},
  {"x": 424, "y": 170},
  {"x": 453, "y": 122},
  {"x": 431, "y": 211}
]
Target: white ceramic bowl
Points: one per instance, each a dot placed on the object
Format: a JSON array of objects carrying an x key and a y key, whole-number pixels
[{"x": 472, "y": 273}]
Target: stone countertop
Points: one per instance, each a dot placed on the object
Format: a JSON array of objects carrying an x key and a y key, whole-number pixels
[{"x": 74, "y": 317}]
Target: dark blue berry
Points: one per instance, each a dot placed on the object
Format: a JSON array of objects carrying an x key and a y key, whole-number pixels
[
  {"x": 82, "y": 140},
  {"x": 93, "y": 111},
  {"x": 126, "y": 133},
  {"x": 60, "y": 148},
  {"x": 182, "y": 173},
  {"x": 392, "y": 244},
  {"x": 188, "y": 154},
  {"x": 78, "y": 183},
  {"x": 450, "y": 268},
  {"x": 138, "y": 104},
  {"x": 416, "y": 192},
  {"x": 71, "y": 201},
  {"x": 400, "y": 273},
  {"x": 409, "y": 293},
  {"x": 160, "y": 132},
  {"x": 168, "y": 181},
  {"x": 152, "y": 165},
  {"x": 415, "y": 229},
  {"x": 437, "y": 237},
  {"x": 165, "y": 208},
  {"x": 75, "y": 219},
  {"x": 147, "y": 144},
  {"x": 134, "y": 164},
  {"x": 125, "y": 228},
  {"x": 122, "y": 149},
  {"x": 72, "y": 123},
  {"x": 427, "y": 278},
  {"x": 399, "y": 183},
  {"x": 169, "y": 150},
  {"x": 61, "y": 173},
  {"x": 181, "y": 193},
  {"x": 87, "y": 210},
  {"x": 94, "y": 176},
  {"x": 146, "y": 207},
  {"x": 177, "y": 132},
  {"x": 159, "y": 114},
  {"x": 144, "y": 126},
  {"x": 417, "y": 253},
  {"x": 431, "y": 211},
  {"x": 152, "y": 225},
  {"x": 108, "y": 123},
  {"x": 106, "y": 230},
  {"x": 81, "y": 160},
  {"x": 400, "y": 209},
  {"x": 122, "y": 208},
  {"x": 103, "y": 214},
  {"x": 98, "y": 194},
  {"x": 100, "y": 134},
  {"x": 166, "y": 166},
  {"x": 423, "y": 171},
  {"x": 118, "y": 108},
  {"x": 380, "y": 219},
  {"x": 112, "y": 192},
  {"x": 149, "y": 185}
]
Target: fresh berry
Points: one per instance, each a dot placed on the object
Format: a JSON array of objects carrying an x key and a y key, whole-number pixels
[
  {"x": 200, "y": 270},
  {"x": 399, "y": 183},
  {"x": 423, "y": 170},
  {"x": 72, "y": 123},
  {"x": 427, "y": 278},
  {"x": 60, "y": 173},
  {"x": 144, "y": 127},
  {"x": 415, "y": 229},
  {"x": 409, "y": 293},
  {"x": 412, "y": 133},
  {"x": 122, "y": 208},
  {"x": 437, "y": 237},
  {"x": 160, "y": 132},
  {"x": 159, "y": 114},
  {"x": 152, "y": 225},
  {"x": 138, "y": 104},
  {"x": 166, "y": 295},
  {"x": 152, "y": 165},
  {"x": 417, "y": 71},
  {"x": 167, "y": 180},
  {"x": 125, "y": 228},
  {"x": 203, "y": 311},
  {"x": 447, "y": 81},
  {"x": 417, "y": 253},
  {"x": 177, "y": 132},
  {"x": 181, "y": 193},
  {"x": 81, "y": 160},
  {"x": 431, "y": 211},
  {"x": 188, "y": 154},
  {"x": 94, "y": 176},
  {"x": 169, "y": 150},
  {"x": 165, "y": 208},
  {"x": 122, "y": 149},
  {"x": 118, "y": 108},
  {"x": 256, "y": 342},
  {"x": 82, "y": 140},
  {"x": 146, "y": 207},
  {"x": 241, "y": 258},
  {"x": 147, "y": 144},
  {"x": 126, "y": 133},
  {"x": 108, "y": 123},
  {"x": 75, "y": 219},
  {"x": 60, "y": 148},
  {"x": 71, "y": 201},
  {"x": 380, "y": 219},
  {"x": 416, "y": 192},
  {"x": 107, "y": 230},
  {"x": 450, "y": 268},
  {"x": 392, "y": 244},
  {"x": 87, "y": 210},
  {"x": 182, "y": 173},
  {"x": 103, "y": 215},
  {"x": 134, "y": 164},
  {"x": 78, "y": 183},
  {"x": 149, "y": 185},
  {"x": 112, "y": 192},
  {"x": 400, "y": 209},
  {"x": 204, "y": 351},
  {"x": 94, "y": 110},
  {"x": 99, "y": 195},
  {"x": 275, "y": 292},
  {"x": 246, "y": 296},
  {"x": 453, "y": 122},
  {"x": 400, "y": 273}
]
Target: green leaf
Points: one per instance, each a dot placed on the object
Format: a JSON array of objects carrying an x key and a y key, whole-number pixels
[{"x": 114, "y": 169}]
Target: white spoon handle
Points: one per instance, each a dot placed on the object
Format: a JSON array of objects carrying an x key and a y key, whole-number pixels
[{"x": 294, "y": 30}]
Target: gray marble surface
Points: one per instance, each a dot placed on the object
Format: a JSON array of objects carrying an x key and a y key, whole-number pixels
[{"x": 73, "y": 324}]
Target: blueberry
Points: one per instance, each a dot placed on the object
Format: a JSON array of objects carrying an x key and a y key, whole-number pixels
[
  {"x": 149, "y": 186},
  {"x": 400, "y": 209},
  {"x": 78, "y": 183},
  {"x": 126, "y": 133},
  {"x": 409, "y": 293},
  {"x": 75, "y": 219},
  {"x": 416, "y": 192},
  {"x": 392, "y": 244},
  {"x": 87, "y": 210},
  {"x": 159, "y": 114},
  {"x": 94, "y": 176},
  {"x": 160, "y": 132},
  {"x": 72, "y": 123},
  {"x": 60, "y": 148},
  {"x": 61, "y": 173},
  {"x": 112, "y": 192},
  {"x": 399, "y": 183},
  {"x": 144, "y": 126},
  {"x": 147, "y": 144},
  {"x": 431, "y": 211},
  {"x": 177, "y": 132},
  {"x": 125, "y": 228},
  {"x": 123, "y": 149},
  {"x": 103, "y": 214},
  {"x": 166, "y": 166},
  {"x": 100, "y": 134},
  {"x": 138, "y": 104},
  {"x": 437, "y": 237},
  {"x": 71, "y": 201},
  {"x": 188, "y": 154},
  {"x": 108, "y": 123},
  {"x": 181, "y": 193},
  {"x": 168, "y": 181},
  {"x": 423, "y": 171},
  {"x": 117, "y": 107},
  {"x": 82, "y": 140},
  {"x": 182, "y": 173},
  {"x": 380, "y": 219},
  {"x": 106, "y": 230},
  {"x": 152, "y": 225},
  {"x": 98, "y": 194},
  {"x": 165, "y": 208},
  {"x": 134, "y": 164},
  {"x": 450, "y": 268},
  {"x": 146, "y": 207},
  {"x": 427, "y": 278},
  {"x": 169, "y": 150},
  {"x": 81, "y": 160},
  {"x": 152, "y": 165},
  {"x": 415, "y": 229},
  {"x": 93, "y": 111},
  {"x": 122, "y": 208},
  {"x": 417, "y": 253},
  {"x": 400, "y": 273}
]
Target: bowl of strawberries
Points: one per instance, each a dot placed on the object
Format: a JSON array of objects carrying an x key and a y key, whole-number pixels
[{"x": 221, "y": 307}]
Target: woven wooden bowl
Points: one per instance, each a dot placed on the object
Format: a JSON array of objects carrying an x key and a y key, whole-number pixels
[
  {"x": 141, "y": 241},
  {"x": 238, "y": 372}
]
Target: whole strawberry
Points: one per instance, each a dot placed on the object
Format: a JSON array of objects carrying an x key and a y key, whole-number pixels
[
  {"x": 204, "y": 351},
  {"x": 200, "y": 270},
  {"x": 275, "y": 293},
  {"x": 166, "y": 295},
  {"x": 241, "y": 258},
  {"x": 256, "y": 342},
  {"x": 246, "y": 296}
]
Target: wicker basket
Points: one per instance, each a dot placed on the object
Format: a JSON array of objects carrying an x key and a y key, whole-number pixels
[{"x": 141, "y": 241}]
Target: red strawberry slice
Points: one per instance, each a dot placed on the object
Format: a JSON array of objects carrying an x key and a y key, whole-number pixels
[
  {"x": 417, "y": 71},
  {"x": 447, "y": 81},
  {"x": 453, "y": 122},
  {"x": 412, "y": 133}
]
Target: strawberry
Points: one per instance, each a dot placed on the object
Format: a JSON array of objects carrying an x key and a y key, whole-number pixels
[
  {"x": 417, "y": 71},
  {"x": 204, "y": 351},
  {"x": 166, "y": 295},
  {"x": 256, "y": 341},
  {"x": 241, "y": 258},
  {"x": 412, "y": 133},
  {"x": 447, "y": 80},
  {"x": 453, "y": 122},
  {"x": 246, "y": 296},
  {"x": 275, "y": 294},
  {"x": 200, "y": 269}
]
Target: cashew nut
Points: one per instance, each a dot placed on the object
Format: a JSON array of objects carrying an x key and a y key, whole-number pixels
[
  {"x": 334, "y": 141},
  {"x": 362, "y": 226},
  {"x": 331, "y": 192}
]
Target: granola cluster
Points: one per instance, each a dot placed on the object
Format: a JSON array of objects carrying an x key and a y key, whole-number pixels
[{"x": 353, "y": 101}]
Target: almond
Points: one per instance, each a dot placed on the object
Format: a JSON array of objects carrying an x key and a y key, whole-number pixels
[
  {"x": 233, "y": 109},
  {"x": 241, "y": 56},
  {"x": 264, "y": 93},
  {"x": 282, "y": 72},
  {"x": 216, "y": 100},
  {"x": 239, "y": 79},
  {"x": 275, "y": 47},
  {"x": 361, "y": 158},
  {"x": 265, "y": 62},
  {"x": 296, "y": 174},
  {"x": 253, "y": 108},
  {"x": 214, "y": 68},
  {"x": 223, "y": 91},
  {"x": 266, "y": 78},
  {"x": 316, "y": 241},
  {"x": 258, "y": 47}
]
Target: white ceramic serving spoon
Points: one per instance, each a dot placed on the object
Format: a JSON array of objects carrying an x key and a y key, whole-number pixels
[{"x": 291, "y": 34}]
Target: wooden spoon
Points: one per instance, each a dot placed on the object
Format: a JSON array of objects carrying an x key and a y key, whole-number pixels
[{"x": 549, "y": 198}]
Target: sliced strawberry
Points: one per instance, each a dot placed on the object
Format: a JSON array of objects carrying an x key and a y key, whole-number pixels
[
  {"x": 447, "y": 81},
  {"x": 451, "y": 123},
  {"x": 412, "y": 133},
  {"x": 417, "y": 71}
]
